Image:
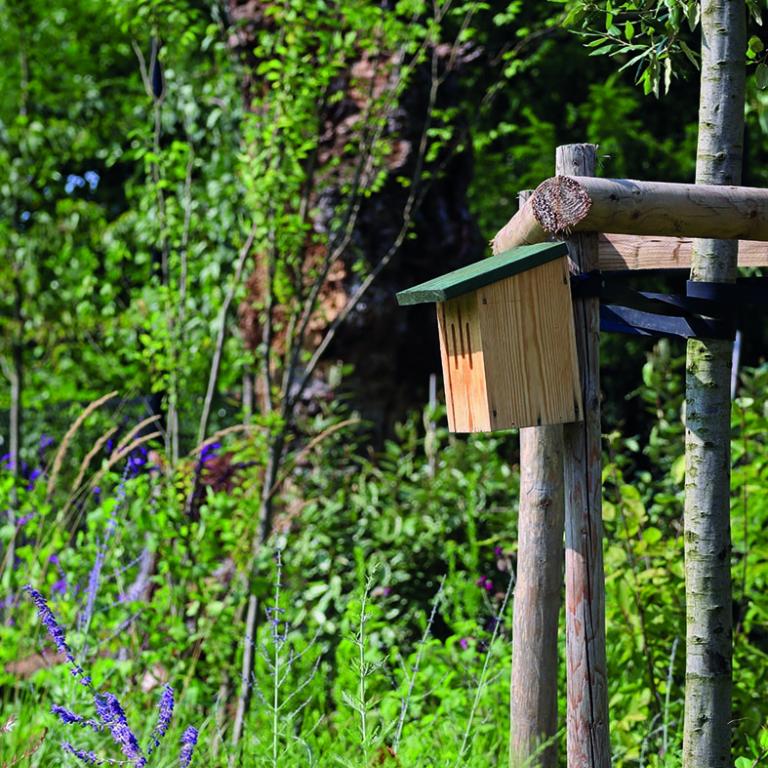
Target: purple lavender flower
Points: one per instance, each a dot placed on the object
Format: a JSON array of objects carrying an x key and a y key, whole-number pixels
[
  {"x": 164, "y": 714},
  {"x": 188, "y": 743},
  {"x": 56, "y": 633},
  {"x": 32, "y": 478},
  {"x": 485, "y": 583},
  {"x": 464, "y": 643},
  {"x": 208, "y": 452},
  {"x": 112, "y": 716},
  {"x": 24, "y": 519},
  {"x": 46, "y": 441},
  {"x": 70, "y": 718},
  {"x": 136, "y": 461},
  {"x": 90, "y": 758},
  {"x": 94, "y": 577}
]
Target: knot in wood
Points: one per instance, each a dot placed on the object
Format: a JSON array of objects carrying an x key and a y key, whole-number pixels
[{"x": 559, "y": 204}]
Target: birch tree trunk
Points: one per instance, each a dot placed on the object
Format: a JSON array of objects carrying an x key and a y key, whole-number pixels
[{"x": 707, "y": 728}]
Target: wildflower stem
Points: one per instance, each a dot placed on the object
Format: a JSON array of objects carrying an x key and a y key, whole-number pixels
[
  {"x": 415, "y": 669},
  {"x": 363, "y": 670},
  {"x": 277, "y": 648},
  {"x": 483, "y": 674}
]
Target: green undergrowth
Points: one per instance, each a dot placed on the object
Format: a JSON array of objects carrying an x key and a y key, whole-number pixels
[{"x": 384, "y": 638}]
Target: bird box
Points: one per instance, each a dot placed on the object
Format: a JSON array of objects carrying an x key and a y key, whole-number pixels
[{"x": 507, "y": 340}]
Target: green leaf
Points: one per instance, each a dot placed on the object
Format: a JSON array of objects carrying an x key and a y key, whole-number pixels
[
  {"x": 652, "y": 535},
  {"x": 761, "y": 75}
]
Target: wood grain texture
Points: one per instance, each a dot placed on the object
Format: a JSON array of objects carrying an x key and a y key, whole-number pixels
[
  {"x": 538, "y": 584},
  {"x": 509, "y": 353},
  {"x": 533, "y": 683},
  {"x": 530, "y": 348},
  {"x": 620, "y": 252},
  {"x": 587, "y": 697},
  {"x": 461, "y": 350},
  {"x": 626, "y": 206}
]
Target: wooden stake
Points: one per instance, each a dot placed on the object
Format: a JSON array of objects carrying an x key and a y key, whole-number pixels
[
  {"x": 587, "y": 718},
  {"x": 533, "y": 685},
  {"x": 560, "y": 206}
]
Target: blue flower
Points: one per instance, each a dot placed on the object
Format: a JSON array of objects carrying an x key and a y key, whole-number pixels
[
  {"x": 112, "y": 716},
  {"x": 164, "y": 714},
  {"x": 209, "y": 451},
  {"x": 188, "y": 743},
  {"x": 56, "y": 633},
  {"x": 70, "y": 718},
  {"x": 90, "y": 758}
]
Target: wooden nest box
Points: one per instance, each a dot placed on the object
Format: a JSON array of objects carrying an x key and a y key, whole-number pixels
[{"x": 507, "y": 340}]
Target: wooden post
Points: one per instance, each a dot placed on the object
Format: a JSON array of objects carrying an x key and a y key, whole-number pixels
[
  {"x": 533, "y": 685},
  {"x": 587, "y": 718}
]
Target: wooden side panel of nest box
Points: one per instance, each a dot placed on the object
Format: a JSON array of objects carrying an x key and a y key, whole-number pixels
[
  {"x": 509, "y": 353},
  {"x": 466, "y": 393}
]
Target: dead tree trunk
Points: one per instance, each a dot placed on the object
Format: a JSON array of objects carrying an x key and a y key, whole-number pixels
[
  {"x": 587, "y": 719},
  {"x": 707, "y": 728}
]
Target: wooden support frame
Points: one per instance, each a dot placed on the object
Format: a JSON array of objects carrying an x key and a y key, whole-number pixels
[
  {"x": 632, "y": 252},
  {"x": 569, "y": 204},
  {"x": 538, "y": 584},
  {"x": 642, "y": 225},
  {"x": 588, "y": 742}
]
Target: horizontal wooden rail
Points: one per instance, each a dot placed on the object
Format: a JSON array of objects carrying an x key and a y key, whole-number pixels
[
  {"x": 620, "y": 252},
  {"x": 564, "y": 205}
]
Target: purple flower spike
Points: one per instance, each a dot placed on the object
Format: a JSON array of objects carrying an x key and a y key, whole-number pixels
[
  {"x": 485, "y": 583},
  {"x": 188, "y": 743},
  {"x": 164, "y": 714},
  {"x": 55, "y": 632},
  {"x": 112, "y": 716},
  {"x": 70, "y": 718},
  {"x": 89, "y": 758}
]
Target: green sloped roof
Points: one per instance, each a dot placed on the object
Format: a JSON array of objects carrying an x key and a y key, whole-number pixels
[{"x": 481, "y": 273}]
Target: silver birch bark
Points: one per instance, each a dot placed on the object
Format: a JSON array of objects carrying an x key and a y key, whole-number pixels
[{"x": 707, "y": 727}]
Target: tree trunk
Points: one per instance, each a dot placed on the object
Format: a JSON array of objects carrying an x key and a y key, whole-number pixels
[
  {"x": 538, "y": 583},
  {"x": 587, "y": 719},
  {"x": 707, "y": 728}
]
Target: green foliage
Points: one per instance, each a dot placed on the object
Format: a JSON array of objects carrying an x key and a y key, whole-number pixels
[{"x": 124, "y": 214}]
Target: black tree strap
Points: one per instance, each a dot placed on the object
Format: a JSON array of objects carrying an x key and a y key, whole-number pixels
[{"x": 708, "y": 310}]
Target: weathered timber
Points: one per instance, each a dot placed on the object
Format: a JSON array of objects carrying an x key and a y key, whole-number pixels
[
  {"x": 562, "y": 205},
  {"x": 706, "y": 514},
  {"x": 620, "y": 252},
  {"x": 587, "y": 696},
  {"x": 538, "y": 582}
]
